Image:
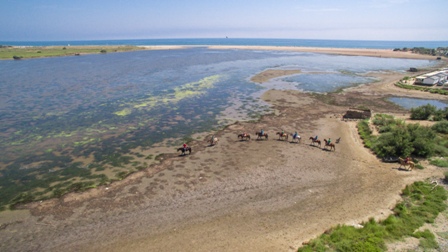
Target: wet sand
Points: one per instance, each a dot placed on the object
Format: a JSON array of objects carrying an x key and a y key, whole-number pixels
[{"x": 262, "y": 195}]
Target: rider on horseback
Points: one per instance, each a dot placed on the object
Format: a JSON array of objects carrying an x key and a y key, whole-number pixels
[
  {"x": 283, "y": 132},
  {"x": 329, "y": 141},
  {"x": 261, "y": 132},
  {"x": 315, "y": 138},
  {"x": 295, "y": 135},
  {"x": 185, "y": 147},
  {"x": 407, "y": 159}
]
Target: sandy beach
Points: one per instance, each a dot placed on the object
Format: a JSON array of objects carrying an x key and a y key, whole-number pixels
[
  {"x": 257, "y": 195},
  {"x": 386, "y": 53}
]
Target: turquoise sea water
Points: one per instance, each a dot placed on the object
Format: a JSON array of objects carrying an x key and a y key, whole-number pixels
[{"x": 376, "y": 44}]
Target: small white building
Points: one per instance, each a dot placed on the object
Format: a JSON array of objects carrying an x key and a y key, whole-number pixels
[
  {"x": 443, "y": 76},
  {"x": 429, "y": 79}
]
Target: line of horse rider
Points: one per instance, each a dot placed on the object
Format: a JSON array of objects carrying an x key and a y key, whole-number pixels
[
  {"x": 295, "y": 136},
  {"x": 260, "y": 134}
]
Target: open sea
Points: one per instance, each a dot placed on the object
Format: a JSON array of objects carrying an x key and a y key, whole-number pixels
[
  {"x": 88, "y": 116},
  {"x": 373, "y": 44}
]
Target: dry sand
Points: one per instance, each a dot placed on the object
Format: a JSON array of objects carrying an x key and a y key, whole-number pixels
[
  {"x": 386, "y": 53},
  {"x": 257, "y": 195}
]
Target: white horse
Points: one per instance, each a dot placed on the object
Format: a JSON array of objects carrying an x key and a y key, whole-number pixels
[
  {"x": 214, "y": 140},
  {"x": 296, "y": 139}
]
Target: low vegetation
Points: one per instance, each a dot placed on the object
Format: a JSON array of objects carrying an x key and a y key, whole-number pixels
[
  {"x": 439, "y": 51},
  {"x": 14, "y": 52},
  {"x": 420, "y": 88},
  {"x": 421, "y": 203},
  {"x": 397, "y": 138},
  {"x": 429, "y": 112}
]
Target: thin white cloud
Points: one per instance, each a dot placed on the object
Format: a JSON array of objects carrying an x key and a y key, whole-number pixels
[{"x": 323, "y": 10}]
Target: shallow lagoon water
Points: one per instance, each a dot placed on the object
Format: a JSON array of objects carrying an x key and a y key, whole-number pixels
[
  {"x": 104, "y": 107},
  {"x": 409, "y": 103}
]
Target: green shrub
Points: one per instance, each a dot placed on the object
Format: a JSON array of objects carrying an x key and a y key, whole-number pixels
[
  {"x": 441, "y": 127},
  {"x": 439, "y": 162},
  {"x": 365, "y": 133},
  {"x": 427, "y": 239},
  {"x": 423, "y": 112},
  {"x": 422, "y": 202}
]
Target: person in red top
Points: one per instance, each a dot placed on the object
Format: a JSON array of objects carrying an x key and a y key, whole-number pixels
[
  {"x": 407, "y": 159},
  {"x": 185, "y": 146}
]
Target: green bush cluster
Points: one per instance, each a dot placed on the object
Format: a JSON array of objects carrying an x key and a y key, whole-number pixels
[
  {"x": 429, "y": 112},
  {"x": 398, "y": 138},
  {"x": 422, "y": 202},
  {"x": 365, "y": 133}
]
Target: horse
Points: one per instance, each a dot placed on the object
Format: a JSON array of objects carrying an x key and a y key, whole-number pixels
[
  {"x": 282, "y": 135},
  {"x": 404, "y": 164},
  {"x": 331, "y": 145},
  {"x": 184, "y": 150},
  {"x": 315, "y": 141},
  {"x": 259, "y": 135},
  {"x": 297, "y": 138},
  {"x": 244, "y": 136},
  {"x": 214, "y": 140}
]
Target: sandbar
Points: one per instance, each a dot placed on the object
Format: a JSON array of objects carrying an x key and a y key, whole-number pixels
[{"x": 386, "y": 53}]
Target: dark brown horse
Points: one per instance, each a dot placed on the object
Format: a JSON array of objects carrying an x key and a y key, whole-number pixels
[
  {"x": 244, "y": 136},
  {"x": 331, "y": 145},
  {"x": 282, "y": 135},
  {"x": 259, "y": 135},
  {"x": 184, "y": 151},
  {"x": 315, "y": 141}
]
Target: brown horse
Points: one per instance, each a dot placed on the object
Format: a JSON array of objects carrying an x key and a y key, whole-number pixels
[
  {"x": 244, "y": 136},
  {"x": 315, "y": 141},
  {"x": 331, "y": 145},
  {"x": 282, "y": 135},
  {"x": 259, "y": 135},
  {"x": 184, "y": 151},
  {"x": 404, "y": 164}
]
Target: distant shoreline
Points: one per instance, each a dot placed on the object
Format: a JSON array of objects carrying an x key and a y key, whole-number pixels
[
  {"x": 9, "y": 52},
  {"x": 385, "y": 53}
]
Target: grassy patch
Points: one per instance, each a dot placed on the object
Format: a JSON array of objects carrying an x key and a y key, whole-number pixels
[
  {"x": 54, "y": 51},
  {"x": 439, "y": 162},
  {"x": 420, "y": 88},
  {"x": 421, "y": 203}
]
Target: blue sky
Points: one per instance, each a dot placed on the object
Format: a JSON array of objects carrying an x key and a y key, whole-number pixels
[{"x": 144, "y": 19}]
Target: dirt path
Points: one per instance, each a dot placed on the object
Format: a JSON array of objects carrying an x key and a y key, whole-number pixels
[{"x": 236, "y": 196}]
